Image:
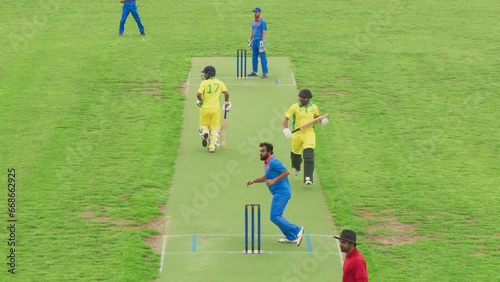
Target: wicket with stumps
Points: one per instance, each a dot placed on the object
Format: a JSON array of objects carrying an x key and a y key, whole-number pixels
[
  {"x": 252, "y": 209},
  {"x": 241, "y": 63}
]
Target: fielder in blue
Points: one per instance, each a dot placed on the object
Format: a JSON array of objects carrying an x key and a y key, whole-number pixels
[
  {"x": 129, "y": 6},
  {"x": 257, "y": 42},
  {"x": 276, "y": 178}
]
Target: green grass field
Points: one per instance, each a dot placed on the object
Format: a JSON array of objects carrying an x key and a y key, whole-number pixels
[{"x": 91, "y": 122}]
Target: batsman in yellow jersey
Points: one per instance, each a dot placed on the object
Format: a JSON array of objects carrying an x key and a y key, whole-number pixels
[
  {"x": 210, "y": 112},
  {"x": 303, "y": 141}
]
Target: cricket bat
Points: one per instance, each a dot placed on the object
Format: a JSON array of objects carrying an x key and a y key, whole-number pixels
[
  {"x": 223, "y": 131},
  {"x": 311, "y": 123}
]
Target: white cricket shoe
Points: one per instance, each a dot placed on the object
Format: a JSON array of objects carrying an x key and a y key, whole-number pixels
[
  {"x": 308, "y": 181},
  {"x": 299, "y": 236},
  {"x": 285, "y": 240}
]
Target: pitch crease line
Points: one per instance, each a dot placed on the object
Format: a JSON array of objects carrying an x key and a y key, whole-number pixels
[
  {"x": 193, "y": 244},
  {"x": 256, "y": 84},
  {"x": 238, "y": 235},
  {"x": 239, "y": 252},
  {"x": 309, "y": 244},
  {"x": 233, "y": 77}
]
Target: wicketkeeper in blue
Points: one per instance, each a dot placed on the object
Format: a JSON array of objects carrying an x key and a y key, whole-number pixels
[
  {"x": 129, "y": 6},
  {"x": 257, "y": 42},
  {"x": 276, "y": 178}
]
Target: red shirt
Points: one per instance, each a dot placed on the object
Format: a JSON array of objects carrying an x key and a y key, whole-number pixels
[{"x": 354, "y": 267}]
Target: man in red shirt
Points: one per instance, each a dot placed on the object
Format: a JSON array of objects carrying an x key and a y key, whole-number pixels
[{"x": 354, "y": 264}]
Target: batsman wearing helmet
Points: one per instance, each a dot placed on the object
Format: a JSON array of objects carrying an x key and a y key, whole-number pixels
[
  {"x": 303, "y": 141},
  {"x": 210, "y": 113}
]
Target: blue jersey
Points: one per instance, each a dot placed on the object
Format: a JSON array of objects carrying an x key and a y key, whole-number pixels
[
  {"x": 258, "y": 27},
  {"x": 274, "y": 167}
]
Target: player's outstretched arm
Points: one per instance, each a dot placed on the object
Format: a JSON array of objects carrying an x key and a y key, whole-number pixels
[{"x": 257, "y": 180}]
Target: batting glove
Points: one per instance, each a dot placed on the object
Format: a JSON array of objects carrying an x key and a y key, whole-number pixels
[
  {"x": 287, "y": 132},
  {"x": 199, "y": 103},
  {"x": 227, "y": 106},
  {"x": 262, "y": 47},
  {"x": 249, "y": 43},
  {"x": 324, "y": 121}
]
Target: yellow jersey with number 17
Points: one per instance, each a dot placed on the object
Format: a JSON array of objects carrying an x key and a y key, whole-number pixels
[
  {"x": 302, "y": 114},
  {"x": 210, "y": 90}
]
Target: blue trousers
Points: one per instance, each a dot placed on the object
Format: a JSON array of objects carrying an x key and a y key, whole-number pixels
[
  {"x": 127, "y": 9},
  {"x": 255, "y": 57},
  {"x": 278, "y": 206}
]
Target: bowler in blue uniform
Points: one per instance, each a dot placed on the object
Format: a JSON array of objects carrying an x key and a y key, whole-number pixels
[
  {"x": 258, "y": 44},
  {"x": 276, "y": 178},
  {"x": 129, "y": 6}
]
